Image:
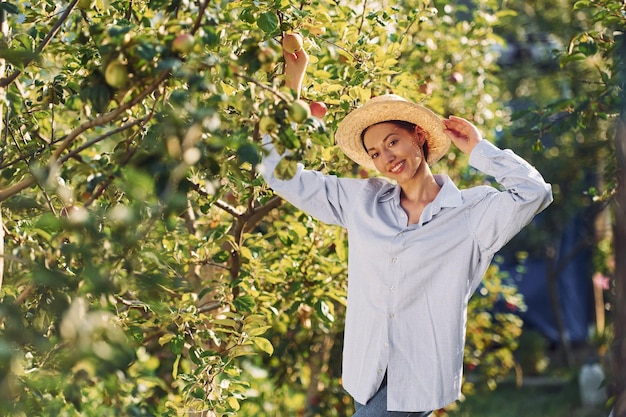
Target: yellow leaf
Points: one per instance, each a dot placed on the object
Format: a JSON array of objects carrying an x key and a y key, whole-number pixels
[
  {"x": 233, "y": 403},
  {"x": 175, "y": 367},
  {"x": 165, "y": 338},
  {"x": 263, "y": 344}
]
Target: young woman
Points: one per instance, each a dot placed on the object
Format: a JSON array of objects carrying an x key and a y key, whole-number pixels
[{"x": 418, "y": 246}]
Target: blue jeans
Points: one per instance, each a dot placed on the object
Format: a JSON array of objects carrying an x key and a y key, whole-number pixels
[{"x": 377, "y": 406}]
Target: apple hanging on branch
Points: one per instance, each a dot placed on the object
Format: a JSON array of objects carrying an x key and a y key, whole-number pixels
[
  {"x": 299, "y": 111},
  {"x": 183, "y": 43},
  {"x": 116, "y": 74},
  {"x": 318, "y": 109}
]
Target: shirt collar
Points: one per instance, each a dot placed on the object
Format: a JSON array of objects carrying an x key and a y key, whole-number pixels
[{"x": 448, "y": 196}]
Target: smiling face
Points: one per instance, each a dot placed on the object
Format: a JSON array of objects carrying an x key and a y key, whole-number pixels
[{"x": 395, "y": 150}]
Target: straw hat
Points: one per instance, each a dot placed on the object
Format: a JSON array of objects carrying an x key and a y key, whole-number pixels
[{"x": 386, "y": 108}]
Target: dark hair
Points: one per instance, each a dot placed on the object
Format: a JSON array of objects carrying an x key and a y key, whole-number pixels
[{"x": 402, "y": 124}]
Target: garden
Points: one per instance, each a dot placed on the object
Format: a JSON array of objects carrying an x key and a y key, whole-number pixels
[{"x": 147, "y": 269}]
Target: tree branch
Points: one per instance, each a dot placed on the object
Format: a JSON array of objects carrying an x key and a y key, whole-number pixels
[
  {"x": 202, "y": 5},
  {"x": 106, "y": 118},
  {"x": 4, "y": 82}
]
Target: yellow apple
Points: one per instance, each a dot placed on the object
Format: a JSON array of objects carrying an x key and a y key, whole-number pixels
[{"x": 292, "y": 42}]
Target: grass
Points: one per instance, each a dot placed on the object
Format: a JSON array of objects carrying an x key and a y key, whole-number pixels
[{"x": 545, "y": 400}]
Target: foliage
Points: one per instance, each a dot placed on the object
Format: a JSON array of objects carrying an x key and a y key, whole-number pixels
[{"x": 147, "y": 271}]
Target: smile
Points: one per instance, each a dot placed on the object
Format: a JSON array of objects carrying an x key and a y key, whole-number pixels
[{"x": 397, "y": 167}]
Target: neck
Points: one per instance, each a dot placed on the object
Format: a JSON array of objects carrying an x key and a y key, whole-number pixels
[{"x": 422, "y": 188}]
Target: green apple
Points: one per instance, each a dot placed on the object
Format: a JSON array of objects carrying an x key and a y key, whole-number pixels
[
  {"x": 116, "y": 74},
  {"x": 299, "y": 111},
  {"x": 267, "y": 124},
  {"x": 85, "y": 4}
]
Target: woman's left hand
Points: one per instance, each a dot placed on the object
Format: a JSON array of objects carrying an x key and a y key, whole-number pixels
[
  {"x": 462, "y": 133},
  {"x": 295, "y": 67}
]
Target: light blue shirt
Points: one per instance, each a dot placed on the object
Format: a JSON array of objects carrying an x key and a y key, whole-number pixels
[{"x": 409, "y": 285}]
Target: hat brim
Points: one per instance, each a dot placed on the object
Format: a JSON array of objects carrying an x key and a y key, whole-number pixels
[{"x": 387, "y": 108}]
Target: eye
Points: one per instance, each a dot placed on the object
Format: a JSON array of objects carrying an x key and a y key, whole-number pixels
[
  {"x": 392, "y": 142},
  {"x": 374, "y": 155}
]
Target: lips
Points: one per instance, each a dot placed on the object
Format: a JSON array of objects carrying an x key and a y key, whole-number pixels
[{"x": 398, "y": 167}]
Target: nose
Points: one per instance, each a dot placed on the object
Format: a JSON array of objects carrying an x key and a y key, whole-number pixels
[{"x": 388, "y": 155}]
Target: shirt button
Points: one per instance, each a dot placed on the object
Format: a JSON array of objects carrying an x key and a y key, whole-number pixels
[
  {"x": 386, "y": 344},
  {"x": 380, "y": 371},
  {"x": 393, "y": 288},
  {"x": 391, "y": 315},
  {"x": 394, "y": 260}
]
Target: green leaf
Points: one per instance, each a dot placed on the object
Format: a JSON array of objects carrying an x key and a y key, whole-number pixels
[
  {"x": 248, "y": 153},
  {"x": 18, "y": 57},
  {"x": 325, "y": 311},
  {"x": 244, "y": 304},
  {"x": 241, "y": 351},
  {"x": 268, "y": 22},
  {"x": 286, "y": 169},
  {"x": 582, "y": 4},
  {"x": 177, "y": 344},
  {"x": 9, "y": 8},
  {"x": 48, "y": 223},
  {"x": 258, "y": 331},
  {"x": 589, "y": 47},
  {"x": 226, "y": 323},
  {"x": 263, "y": 344}
]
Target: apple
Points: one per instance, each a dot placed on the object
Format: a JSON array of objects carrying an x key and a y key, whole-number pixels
[
  {"x": 426, "y": 88},
  {"x": 456, "y": 77},
  {"x": 318, "y": 109},
  {"x": 183, "y": 43},
  {"x": 85, "y": 4},
  {"x": 292, "y": 42},
  {"x": 116, "y": 74},
  {"x": 299, "y": 111},
  {"x": 267, "y": 124}
]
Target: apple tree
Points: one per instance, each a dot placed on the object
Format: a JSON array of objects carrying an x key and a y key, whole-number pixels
[{"x": 146, "y": 267}]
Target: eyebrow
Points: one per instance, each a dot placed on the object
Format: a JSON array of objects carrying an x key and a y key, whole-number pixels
[{"x": 384, "y": 140}]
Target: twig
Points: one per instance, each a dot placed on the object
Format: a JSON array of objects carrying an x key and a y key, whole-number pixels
[
  {"x": 106, "y": 118},
  {"x": 4, "y": 82}
]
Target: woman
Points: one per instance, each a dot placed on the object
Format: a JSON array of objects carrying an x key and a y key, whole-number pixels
[{"x": 418, "y": 246}]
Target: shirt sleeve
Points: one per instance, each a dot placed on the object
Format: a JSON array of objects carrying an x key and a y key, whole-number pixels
[
  {"x": 502, "y": 214},
  {"x": 324, "y": 197}
]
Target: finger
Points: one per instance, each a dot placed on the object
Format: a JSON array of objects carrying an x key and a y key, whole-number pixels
[
  {"x": 300, "y": 53},
  {"x": 460, "y": 126},
  {"x": 289, "y": 56}
]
